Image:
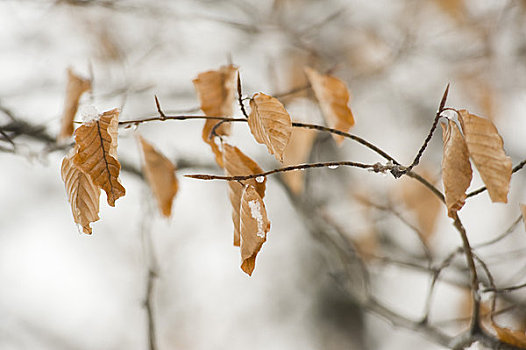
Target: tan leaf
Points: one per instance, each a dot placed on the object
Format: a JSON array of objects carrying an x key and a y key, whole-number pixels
[
  {"x": 83, "y": 195},
  {"x": 456, "y": 168},
  {"x": 216, "y": 90},
  {"x": 510, "y": 336},
  {"x": 454, "y": 8},
  {"x": 96, "y": 144},
  {"x": 485, "y": 148},
  {"x": 254, "y": 227},
  {"x": 333, "y": 96},
  {"x": 75, "y": 88},
  {"x": 160, "y": 173},
  {"x": 236, "y": 163},
  {"x": 297, "y": 152},
  {"x": 425, "y": 206},
  {"x": 270, "y": 123}
]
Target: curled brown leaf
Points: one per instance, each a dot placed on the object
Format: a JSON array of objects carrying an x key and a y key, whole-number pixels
[
  {"x": 96, "y": 146},
  {"x": 83, "y": 195},
  {"x": 270, "y": 123},
  {"x": 76, "y": 86},
  {"x": 216, "y": 92},
  {"x": 333, "y": 96},
  {"x": 456, "y": 168},
  {"x": 160, "y": 173},
  {"x": 237, "y": 163},
  {"x": 486, "y": 149},
  {"x": 254, "y": 226},
  {"x": 297, "y": 152}
]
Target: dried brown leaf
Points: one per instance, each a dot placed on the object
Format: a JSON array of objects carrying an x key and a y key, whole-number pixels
[
  {"x": 333, "y": 96},
  {"x": 216, "y": 91},
  {"x": 254, "y": 226},
  {"x": 75, "y": 88},
  {"x": 96, "y": 145},
  {"x": 297, "y": 152},
  {"x": 425, "y": 206},
  {"x": 83, "y": 195},
  {"x": 237, "y": 163},
  {"x": 456, "y": 168},
  {"x": 485, "y": 148},
  {"x": 270, "y": 123},
  {"x": 160, "y": 173},
  {"x": 510, "y": 336},
  {"x": 454, "y": 8}
]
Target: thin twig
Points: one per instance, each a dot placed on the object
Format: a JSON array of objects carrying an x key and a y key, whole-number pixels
[
  {"x": 398, "y": 215},
  {"x": 213, "y": 132},
  {"x": 240, "y": 95},
  {"x": 148, "y": 304},
  {"x": 292, "y": 91},
  {"x": 429, "y": 135},
  {"x": 436, "y": 274},
  {"x": 426, "y": 183},
  {"x": 475, "y": 326},
  {"x": 501, "y": 236},
  {"x": 179, "y": 117},
  {"x": 7, "y": 138},
  {"x": 349, "y": 136},
  {"x": 282, "y": 170},
  {"x": 506, "y": 289},
  {"x": 153, "y": 268},
  {"x": 162, "y": 116},
  {"x": 294, "y": 124}
]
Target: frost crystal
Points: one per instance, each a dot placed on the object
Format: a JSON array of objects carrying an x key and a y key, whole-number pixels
[
  {"x": 255, "y": 212},
  {"x": 88, "y": 113}
]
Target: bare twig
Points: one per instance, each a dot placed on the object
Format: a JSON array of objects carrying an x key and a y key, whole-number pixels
[
  {"x": 349, "y": 136},
  {"x": 501, "y": 236},
  {"x": 282, "y": 170},
  {"x": 398, "y": 215},
  {"x": 429, "y": 135},
  {"x": 153, "y": 268},
  {"x": 445, "y": 263},
  {"x": 475, "y": 326},
  {"x": 148, "y": 304},
  {"x": 240, "y": 96},
  {"x": 162, "y": 116}
]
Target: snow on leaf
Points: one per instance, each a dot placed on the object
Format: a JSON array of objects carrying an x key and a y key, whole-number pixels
[
  {"x": 270, "y": 123},
  {"x": 485, "y": 148},
  {"x": 160, "y": 173},
  {"x": 216, "y": 91},
  {"x": 254, "y": 226},
  {"x": 333, "y": 96},
  {"x": 456, "y": 168},
  {"x": 75, "y": 88},
  {"x": 83, "y": 195},
  {"x": 237, "y": 163},
  {"x": 96, "y": 148}
]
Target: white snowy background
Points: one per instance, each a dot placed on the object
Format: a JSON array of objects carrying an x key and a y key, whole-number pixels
[{"x": 63, "y": 290}]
